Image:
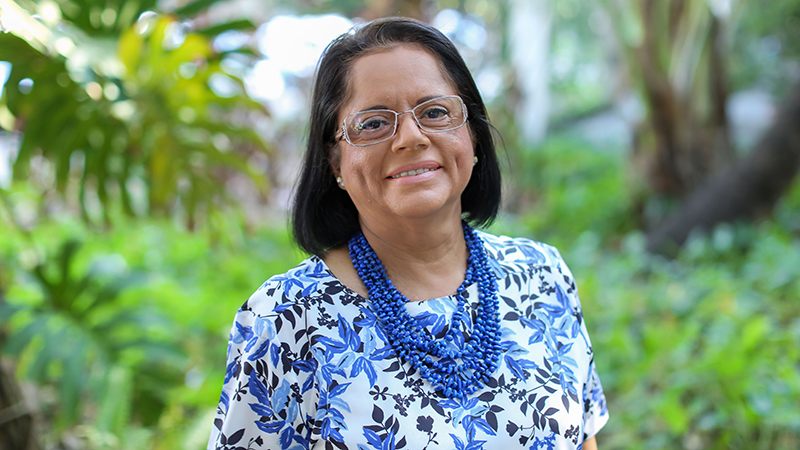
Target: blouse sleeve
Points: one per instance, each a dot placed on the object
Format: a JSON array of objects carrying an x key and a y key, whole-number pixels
[
  {"x": 595, "y": 409},
  {"x": 268, "y": 386},
  {"x": 595, "y": 413}
]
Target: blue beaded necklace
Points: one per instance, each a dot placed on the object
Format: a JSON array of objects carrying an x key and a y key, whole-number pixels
[{"x": 432, "y": 358}]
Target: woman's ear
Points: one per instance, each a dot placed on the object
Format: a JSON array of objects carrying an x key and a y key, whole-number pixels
[{"x": 335, "y": 159}]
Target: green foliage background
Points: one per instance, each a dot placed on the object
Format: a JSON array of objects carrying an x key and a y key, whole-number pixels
[
  {"x": 115, "y": 310},
  {"x": 697, "y": 352}
]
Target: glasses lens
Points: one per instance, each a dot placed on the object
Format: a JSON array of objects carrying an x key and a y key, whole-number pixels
[
  {"x": 440, "y": 114},
  {"x": 367, "y": 127}
]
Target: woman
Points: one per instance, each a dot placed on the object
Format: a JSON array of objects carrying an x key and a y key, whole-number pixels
[{"x": 408, "y": 328}]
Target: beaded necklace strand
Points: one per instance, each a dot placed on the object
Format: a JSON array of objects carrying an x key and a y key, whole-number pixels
[{"x": 432, "y": 358}]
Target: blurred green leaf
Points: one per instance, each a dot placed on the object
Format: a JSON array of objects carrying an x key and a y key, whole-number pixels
[
  {"x": 242, "y": 24},
  {"x": 194, "y": 7}
]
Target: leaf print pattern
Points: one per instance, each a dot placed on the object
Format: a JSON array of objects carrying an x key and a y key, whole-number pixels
[{"x": 308, "y": 367}]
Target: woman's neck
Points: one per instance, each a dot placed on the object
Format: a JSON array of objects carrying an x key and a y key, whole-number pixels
[{"x": 424, "y": 260}]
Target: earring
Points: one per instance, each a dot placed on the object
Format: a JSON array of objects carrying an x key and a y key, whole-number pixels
[
  {"x": 474, "y": 160},
  {"x": 340, "y": 182}
]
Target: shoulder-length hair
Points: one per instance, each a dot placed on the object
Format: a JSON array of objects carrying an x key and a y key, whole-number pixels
[{"x": 323, "y": 216}]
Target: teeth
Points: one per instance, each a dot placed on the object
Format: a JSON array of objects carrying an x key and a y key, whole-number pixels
[{"x": 411, "y": 172}]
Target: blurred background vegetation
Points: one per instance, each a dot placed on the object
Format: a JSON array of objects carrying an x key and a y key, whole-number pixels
[{"x": 148, "y": 150}]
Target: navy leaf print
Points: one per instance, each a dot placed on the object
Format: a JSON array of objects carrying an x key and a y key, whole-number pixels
[
  {"x": 515, "y": 368},
  {"x": 259, "y": 389},
  {"x": 470, "y": 403},
  {"x": 286, "y": 437},
  {"x": 282, "y": 307},
  {"x": 328, "y": 432},
  {"x": 527, "y": 364},
  {"x": 305, "y": 366},
  {"x": 339, "y": 389},
  {"x": 262, "y": 350},
  {"x": 331, "y": 346},
  {"x": 309, "y": 289},
  {"x": 373, "y": 438},
  {"x": 347, "y": 335},
  {"x": 224, "y": 401},
  {"x": 491, "y": 419},
  {"x": 235, "y": 437},
  {"x": 509, "y": 301},
  {"x": 533, "y": 256},
  {"x": 230, "y": 370},
  {"x": 289, "y": 315},
  {"x": 459, "y": 443},
  {"x": 484, "y": 426},
  {"x": 308, "y": 384},
  {"x": 436, "y": 407},
  {"x": 346, "y": 360},
  {"x": 388, "y": 443},
  {"x": 363, "y": 364},
  {"x": 328, "y": 371},
  {"x": 241, "y": 334},
  {"x": 263, "y": 410},
  {"x": 382, "y": 353},
  {"x": 527, "y": 322},
  {"x": 475, "y": 445},
  {"x": 369, "y": 319},
  {"x": 270, "y": 427},
  {"x": 377, "y": 414},
  {"x": 449, "y": 404},
  {"x": 274, "y": 354},
  {"x": 553, "y": 425}
]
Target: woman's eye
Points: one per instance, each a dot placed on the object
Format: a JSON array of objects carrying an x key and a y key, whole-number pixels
[
  {"x": 373, "y": 124},
  {"x": 434, "y": 113}
]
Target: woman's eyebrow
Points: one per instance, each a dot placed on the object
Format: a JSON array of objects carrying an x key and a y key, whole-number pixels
[
  {"x": 382, "y": 106},
  {"x": 374, "y": 107},
  {"x": 428, "y": 97}
]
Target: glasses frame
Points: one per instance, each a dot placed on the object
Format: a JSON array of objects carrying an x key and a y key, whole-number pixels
[{"x": 342, "y": 134}]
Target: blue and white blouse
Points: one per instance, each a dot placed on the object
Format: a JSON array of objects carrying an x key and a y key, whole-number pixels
[{"x": 309, "y": 367}]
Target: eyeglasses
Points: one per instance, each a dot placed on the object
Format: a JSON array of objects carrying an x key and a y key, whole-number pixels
[{"x": 378, "y": 125}]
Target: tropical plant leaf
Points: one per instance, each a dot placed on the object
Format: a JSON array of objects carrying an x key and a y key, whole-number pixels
[{"x": 242, "y": 24}]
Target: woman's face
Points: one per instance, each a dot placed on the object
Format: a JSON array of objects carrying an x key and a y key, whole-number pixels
[{"x": 399, "y": 79}]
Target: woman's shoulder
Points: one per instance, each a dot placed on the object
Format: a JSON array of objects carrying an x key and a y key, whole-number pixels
[
  {"x": 288, "y": 288},
  {"x": 520, "y": 251}
]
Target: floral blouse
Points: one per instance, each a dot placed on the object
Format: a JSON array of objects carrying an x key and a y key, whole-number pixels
[{"x": 310, "y": 368}]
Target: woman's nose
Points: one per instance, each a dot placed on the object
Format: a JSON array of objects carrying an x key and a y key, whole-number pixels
[{"x": 408, "y": 134}]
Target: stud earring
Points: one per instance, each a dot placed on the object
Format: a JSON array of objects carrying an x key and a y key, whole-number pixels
[
  {"x": 340, "y": 182},
  {"x": 474, "y": 160}
]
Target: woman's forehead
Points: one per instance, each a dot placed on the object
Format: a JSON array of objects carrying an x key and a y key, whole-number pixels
[{"x": 395, "y": 77}]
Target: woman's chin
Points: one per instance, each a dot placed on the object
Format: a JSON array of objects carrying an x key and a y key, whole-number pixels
[{"x": 428, "y": 207}]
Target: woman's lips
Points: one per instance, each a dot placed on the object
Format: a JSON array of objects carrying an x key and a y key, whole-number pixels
[
  {"x": 414, "y": 169},
  {"x": 410, "y": 173}
]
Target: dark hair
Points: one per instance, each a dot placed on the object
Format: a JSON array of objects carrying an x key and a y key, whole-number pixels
[{"x": 323, "y": 216}]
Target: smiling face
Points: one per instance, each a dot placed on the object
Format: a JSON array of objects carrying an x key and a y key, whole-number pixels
[{"x": 414, "y": 174}]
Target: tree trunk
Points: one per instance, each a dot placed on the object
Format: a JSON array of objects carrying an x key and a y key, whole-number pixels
[
  {"x": 681, "y": 61},
  {"x": 529, "y": 32},
  {"x": 747, "y": 189},
  {"x": 16, "y": 421}
]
